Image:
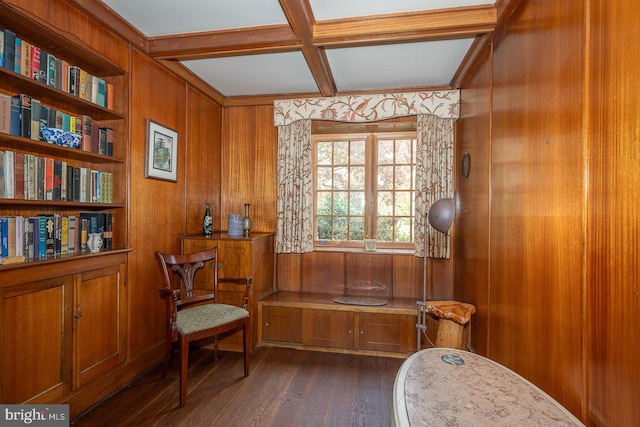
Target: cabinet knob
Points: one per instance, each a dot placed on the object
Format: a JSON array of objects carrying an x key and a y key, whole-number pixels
[
  {"x": 220, "y": 266},
  {"x": 361, "y": 332},
  {"x": 78, "y": 315},
  {"x": 350, "y": 332},
  {"x": 266, "y": 324}
]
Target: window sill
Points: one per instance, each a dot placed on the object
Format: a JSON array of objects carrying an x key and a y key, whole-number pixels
[{"x": 392, "y": 251}]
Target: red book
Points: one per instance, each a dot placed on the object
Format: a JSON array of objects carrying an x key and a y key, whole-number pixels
[
  {"x": 48, "y": 178},
  {"x": 35, "y": 63}
]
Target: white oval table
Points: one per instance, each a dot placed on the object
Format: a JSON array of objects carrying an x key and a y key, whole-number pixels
[{"x": 447, "y": 387}]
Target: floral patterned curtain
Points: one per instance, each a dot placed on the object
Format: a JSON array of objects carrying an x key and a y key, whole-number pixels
[
  {"x": 434, "y": 180},
  {"x": 436, "y": 111},
  {"x": 295, "y": 191}
]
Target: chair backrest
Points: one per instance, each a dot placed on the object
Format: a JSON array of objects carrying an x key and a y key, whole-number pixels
[{"x": 186, "y": 266}]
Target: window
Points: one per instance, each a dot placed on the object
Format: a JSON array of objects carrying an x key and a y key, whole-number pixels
[{"x": 364, "y": 188}]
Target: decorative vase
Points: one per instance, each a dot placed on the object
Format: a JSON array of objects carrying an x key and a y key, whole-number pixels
[
  {"x": 94, "y": 242},
  {"x": 246, "y": 221}
]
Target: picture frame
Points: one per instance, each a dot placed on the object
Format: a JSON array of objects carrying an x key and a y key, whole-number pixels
[{"x": 161, "y": 161}]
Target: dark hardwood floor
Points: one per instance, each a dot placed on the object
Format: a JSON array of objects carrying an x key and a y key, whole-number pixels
[{"x": 285, "y": 388}]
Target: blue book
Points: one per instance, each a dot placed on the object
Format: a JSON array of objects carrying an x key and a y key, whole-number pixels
[
  {"x": 15, "y": 125},
  {"x": 9, "y": 51},
  {"x": 42, "y": 236},
  {"x": 4, "y": 236},
  {"x": 17, "y": 55},
  {"x": 1, "y": 48}
]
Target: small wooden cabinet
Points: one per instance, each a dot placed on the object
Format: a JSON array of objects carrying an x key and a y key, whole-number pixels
[
  {"x": 63, "y": 325},
  {"x": 253, "y": 256}
]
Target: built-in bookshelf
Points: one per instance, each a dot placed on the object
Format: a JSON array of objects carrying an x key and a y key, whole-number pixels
[{"x": 103, "y": 192}]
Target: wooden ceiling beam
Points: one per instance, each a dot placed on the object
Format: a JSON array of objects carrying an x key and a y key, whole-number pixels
[
  {"x": 405, "y": 27},
  {"x": 211, "y": 44},
  {"x": 300, "y": 17}
]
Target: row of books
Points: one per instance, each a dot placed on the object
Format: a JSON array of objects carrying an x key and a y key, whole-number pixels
[
  {"x": 50, "y": 235},
  {"x": 33, "y": 62},
  {"x": 25, "y": 116},
  {"x": 29, "y": 177}
]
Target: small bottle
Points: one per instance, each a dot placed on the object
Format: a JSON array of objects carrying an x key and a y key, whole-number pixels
[{"x": 207, "y": 222}]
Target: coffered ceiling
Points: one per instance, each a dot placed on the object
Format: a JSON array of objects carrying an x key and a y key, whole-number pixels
[{"x": 311, "y": 47}]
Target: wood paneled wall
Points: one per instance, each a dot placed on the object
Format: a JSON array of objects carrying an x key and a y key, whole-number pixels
[
  {"x": 613, "y": 264},
  {"x": 157, "y": 208},
  {"x": 546, "y": 223}
]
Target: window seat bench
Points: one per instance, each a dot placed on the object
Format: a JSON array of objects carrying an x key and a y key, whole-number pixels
[{"x": 315, "y": 322}]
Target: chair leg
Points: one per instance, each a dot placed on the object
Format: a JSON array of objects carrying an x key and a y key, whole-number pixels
[
  {"x": 184, "y": 368},
  {"x": 215, "y": 348},
  {"x": 246, "y": 335}
]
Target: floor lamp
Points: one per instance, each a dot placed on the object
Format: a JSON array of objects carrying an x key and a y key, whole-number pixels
[{"x": 440, "y": 217}]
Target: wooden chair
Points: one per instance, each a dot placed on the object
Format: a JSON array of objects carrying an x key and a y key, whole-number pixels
[{"x": 192, "y": 317}]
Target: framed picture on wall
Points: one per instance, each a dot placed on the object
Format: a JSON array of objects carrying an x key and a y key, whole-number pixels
[{"x": 161, "y": 161}]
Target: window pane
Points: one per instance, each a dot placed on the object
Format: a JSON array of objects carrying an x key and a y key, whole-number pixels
[
  {"x": 356, "y": 228},
  {"x": 340, "y": 231},
  {"x": 403, "y": 203},
  {"x": 357, "y": 152},
  {"x": 341, "y": 153},
  {"x": 324, "y": 153},
  {"x": 385, "y": 203},
  {"x": 403, "y": 230},
  {"x": 385, "y": 152},
  {"x": 356, "y": 204},
  {"x": 324, "y": 179},
  {"x": 385, "y": 229},
  {"x": 323, "y": 227},
  {"x": 404, "y": 151},
  {"x": 340, "y": 203},
  {"x": 341, "y": 178},
  {"x": 357, "y": 178},
  {"x": 403, "y": 177},
  {"x": 385, "y": 177},
  {"x": 324, "y": 205}
]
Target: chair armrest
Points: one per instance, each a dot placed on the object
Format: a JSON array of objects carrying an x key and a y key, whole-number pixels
[{"x": 247, "y": 281}]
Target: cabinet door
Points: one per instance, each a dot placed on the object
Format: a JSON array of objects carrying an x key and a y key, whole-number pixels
[
  {"x": 36, "y": 356},
  {"x": 283, "y": 324},
  {"x": 328, "y": 328},
  {"x": 387, "y": 332},
  {"x": 234, "y": 258},
  {"x": 99, "y": 322}
]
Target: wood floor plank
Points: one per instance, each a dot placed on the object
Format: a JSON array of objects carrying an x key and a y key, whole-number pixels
[{"x": 285, "y": 388}]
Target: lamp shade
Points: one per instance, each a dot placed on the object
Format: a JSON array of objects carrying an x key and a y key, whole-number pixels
[{"x": 441, "y": 214}]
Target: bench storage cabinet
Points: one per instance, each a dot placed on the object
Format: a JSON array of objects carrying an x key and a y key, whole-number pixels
[{"x": 315, "y": 322}]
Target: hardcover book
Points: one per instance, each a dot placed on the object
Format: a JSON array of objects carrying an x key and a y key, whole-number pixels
[
  {"x": 5, "y": 112},
  {"x": 48, "y": 178},
  {"x": 9, "y": 49},
  {"x": 25, "y": 59},
  {"x": 40, "y": 178},
  {"x": 51, "y": 70},
  {"x": 18, "y": 180},
  {"x": 34, "y": 73},
  {"x": 9, "y": 174},
  {"x": 17, "y": 49},
  {"x": 57, "y": 179},
  {"x": 42, "y": 72},
  {"x": 64, "y": 235},
  {"x": 25, "y": 115},
  {"x": 35, "y": 119},
  {"x": 15, "y": 126},
  {"x": 2, "y": 174}
]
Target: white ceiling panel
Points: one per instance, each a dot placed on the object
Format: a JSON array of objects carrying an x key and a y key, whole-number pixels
[
  {"x": 336, "y": 9},
  {"x": 162, "y": 17},
  {"x": 411, "y": 64},
  {"x": 256, "y": 74}
]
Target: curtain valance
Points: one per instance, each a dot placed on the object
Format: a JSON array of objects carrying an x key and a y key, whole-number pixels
[{"x": 368, "y": 108}]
